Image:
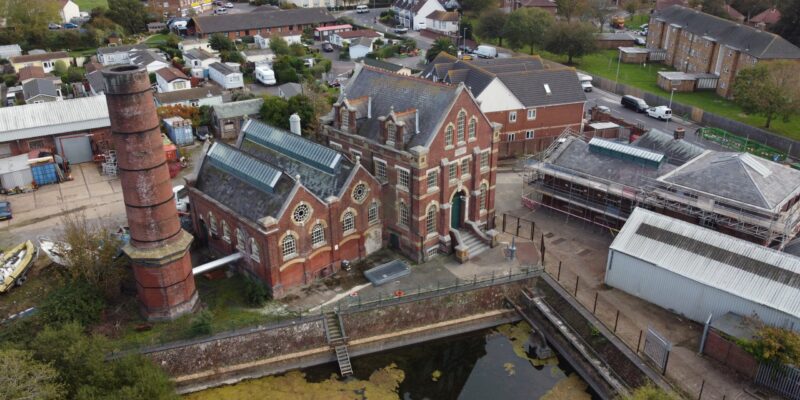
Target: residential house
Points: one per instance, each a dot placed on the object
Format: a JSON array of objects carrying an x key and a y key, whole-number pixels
[
  {"x": 10, "y": 50},
  {"x": 198, "y": 60},
  {"x": 387, "y": 66},
  {"x": 118, "y": 54},
  {"x": 533, "y": 104},
  {"x": 208, "y": 95},
  {"x": 434, "y": 152},
  {"x": 45, "y": 60},
  {"x": 289, "y": 90},
  {"x": 261, "y": 23},
  {"x": 151, "y": 59},
  {"x": 443, "y": 22},
  {"x": 699, "y": 43},
  {"x": 322, "y": 33},
  {"x": 226, "y": 75},
  {"x": 228, "y": 118},
  {"x": 75, "y": 129},
  {"x": 25, "y": 74},
  {"x": 40, "y": 90},
  {"x": 412, "y": 13},
  {"x": 193, "y": 43},
  {"x": 68, "y": 10},
  {"x": 296, "y": 210},
  {"x": 547, "y": 5},
  {"x": 97, "y": 84},
  {"x": 170, "y": 79},
  {"x": 258, "y": 56},
  {"x": 180, "y": 8},
  {"x": 289, "y": 36},
  {"x": 768, "y": 17}
]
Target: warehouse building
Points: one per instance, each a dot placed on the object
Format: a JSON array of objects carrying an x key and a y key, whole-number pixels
[{"x": 697, "y": 272}]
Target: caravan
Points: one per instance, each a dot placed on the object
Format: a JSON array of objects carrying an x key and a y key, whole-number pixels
[{"x": 265, "y": 74}]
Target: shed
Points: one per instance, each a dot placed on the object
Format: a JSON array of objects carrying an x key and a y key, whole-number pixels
[
  {"x": 633, "y": 55},
  {"x": 179, "y": 130},
  {"x": 15, "y": 172},
  {"x": 696, "y": 272}
]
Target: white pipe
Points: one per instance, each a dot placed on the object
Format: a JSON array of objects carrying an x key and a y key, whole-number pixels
[{"x": 216, "y": 263}]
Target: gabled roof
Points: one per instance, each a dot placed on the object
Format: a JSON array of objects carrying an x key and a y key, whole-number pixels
[
  {"x": 34, "y": 120},
  {"x": 170, "y": 74},
  {"x": 678, "y": 151},
  {"x": 176, "y": 96},
  {"x": 198, "y": 54},
  {"x": 740, "y": 177},
  {"x": 238, "y": 108},
  {"x": 146, "y": 57},
  {"x": 380, "y": 64},
  {"x": 402, "y": 95},
  {"x": 96, "y": 81},
  {"x": 268, "y": 19},
  {"x": 40, "y": 57},
  {"x": 224, "y": 69},
  {"x": 290, "y": 89},
  {"x": 544, "y": 87},
  {"x": 733, "y": 14},
  {"x": 759, "y": 44},
  {"x": 369, "y": 33},
  {"x": 39, "y": 86},
  {"x": 439, "y": 15},
  {"x": 30, "y": 72},
  {"x": 121, "y": 49},
  {"x": 769, "y": 16},
  {"x": 744, "y": 269}
]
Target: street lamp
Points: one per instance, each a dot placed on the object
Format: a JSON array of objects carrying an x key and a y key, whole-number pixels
[
  {"x": 671, "y": 93},
  {"x": 464, "y": 42},
  {"x": 619, "y": 61}
]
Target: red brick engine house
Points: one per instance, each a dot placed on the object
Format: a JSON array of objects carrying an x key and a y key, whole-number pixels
[{"x": 294, "y": 208}]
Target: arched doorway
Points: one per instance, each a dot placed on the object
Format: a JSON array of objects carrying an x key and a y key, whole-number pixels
[
  {"x": 202, "y": 233},
  {"x": 458, "y": 208}
]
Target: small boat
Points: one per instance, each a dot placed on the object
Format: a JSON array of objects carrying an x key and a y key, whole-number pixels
[
  {"x": 55, "y": 250},
  {"x": 14, "y": 265}
]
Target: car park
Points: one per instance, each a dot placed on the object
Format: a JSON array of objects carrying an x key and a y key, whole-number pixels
[
  {"x": 634, "y": 103},
  {"x": 663, "y": 113}
]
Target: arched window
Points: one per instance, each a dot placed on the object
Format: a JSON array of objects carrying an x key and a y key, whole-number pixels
[
  {"x": 212, "y": 223},
  {"x": 289, "y": 245},
  {"x": 484, "y": 192},
  {"x": 348, "y": 222},
  {"x": 255, "y": 254},
  {"x": 448, "y": 136},
  {"x": 391, "y": 131},
  {"x": 226, "y": 231},
  {"x": 345, "y": 115},
  {"x": 403, "y": 214},
  {"x": 473, "y": 124},
  {"x": 240, "y": 241},
  {"x": 462, "y": 120},
  {"x": 430, "y": 220},
  {"x": 317, "y": 235},
  {"x": 372, "y": 213}
]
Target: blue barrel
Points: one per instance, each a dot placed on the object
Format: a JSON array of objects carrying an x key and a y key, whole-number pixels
[{"x": 44, "y": 174}]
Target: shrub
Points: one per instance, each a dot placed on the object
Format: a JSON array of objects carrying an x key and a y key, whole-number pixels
[
  {"x": 774, "y": 345},
  {"x": 201, "y": 323},
  {"x": 76, "y": 301},
  {"x": 256, "y": 292}
]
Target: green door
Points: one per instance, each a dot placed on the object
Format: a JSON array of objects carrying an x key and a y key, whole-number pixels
[{"x": 455, "y": 214}]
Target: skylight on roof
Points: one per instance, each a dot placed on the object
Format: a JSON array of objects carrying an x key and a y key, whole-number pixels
[{"x": 547, "y": 89}]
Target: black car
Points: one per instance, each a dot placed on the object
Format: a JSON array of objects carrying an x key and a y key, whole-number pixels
[
  {"x": 5, "y": 210},
  {"x": 327, "y": 47},
  {"x": 634, "y": 103}
]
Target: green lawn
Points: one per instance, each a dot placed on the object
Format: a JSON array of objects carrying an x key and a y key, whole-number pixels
[
  {"x": 156, "y": 40},
  {"x": 88, "y": 5},
  {"x": 604, "y": 64},
  {"x": 636, "y": 21}
]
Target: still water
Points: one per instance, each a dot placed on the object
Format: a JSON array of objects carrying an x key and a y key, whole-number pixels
[{"x": 490, "y": 364}]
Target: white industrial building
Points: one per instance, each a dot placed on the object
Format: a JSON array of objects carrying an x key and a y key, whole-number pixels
[{"x": 697, "y": 272}]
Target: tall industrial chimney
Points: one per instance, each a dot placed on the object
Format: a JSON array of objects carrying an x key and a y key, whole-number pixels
[{"x": 159, "y": 248}]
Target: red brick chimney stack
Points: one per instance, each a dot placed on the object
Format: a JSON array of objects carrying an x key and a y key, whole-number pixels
[{"x": 159, "y": 248}]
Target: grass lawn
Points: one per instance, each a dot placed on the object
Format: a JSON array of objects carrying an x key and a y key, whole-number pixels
[
  {"x": 83, "y": 53},
  {"x": 88, "y": 5},
  {"x": 635, "y": 21},
  {"x": 604, "y": 63},
  {"x": 156, "y": 40}
]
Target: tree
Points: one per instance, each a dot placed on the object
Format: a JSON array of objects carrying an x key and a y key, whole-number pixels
[
  {"x": 130, "y": 14},
  {"x": 76, "y": 301},
  {"x": 751, "y": 8},
  {"x": 789, "y": 25},
  {"x": 220, "y": 42},
  {"x": 570, "y": 8},
  {"x": 93, "y": 256},
  {"x": 439, "y": 45},
  {"x": 22, "y": 377},
  {"x": 73, "y": 75},
  {"x": 527, "y": 26},
  {"x": 31, "y": 15},
  {"x": 278, "y": 45},
  {"x": 302, "y": 106},
  {"x": 275, "y": 111},
  {"x": 715, "y": 7},
  {"x": 60, "y": 67},
  {"x": 571, "y": 39},
  {"x": 232, "y": 56},
  {"x": 477, "y": 6},
  {"x": 601, "y": 10},
  {"x": 769, "y": 89},
  {"x": 491, "y": 25},
  {"x": 631, "y": 6}
]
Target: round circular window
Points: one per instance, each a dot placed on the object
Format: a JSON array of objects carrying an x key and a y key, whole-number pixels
[
  {"x": 301, "y": 213},
  {"x": 360, "y": 192}
]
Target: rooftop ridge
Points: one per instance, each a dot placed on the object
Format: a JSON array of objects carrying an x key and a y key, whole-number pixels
[
  {"x": 294, "y": 146},
  {"x": 407, "y": 77},
  {"x": 259, "y": 173}
]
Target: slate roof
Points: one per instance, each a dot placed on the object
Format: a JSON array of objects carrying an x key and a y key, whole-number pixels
[
  {"x": 529, "y": 87},
  {"x": 96, "y": 81},
  {"x": 741, "y": 177},
  {"x": 121, "y": 49},
  {"x": 382, "y": 64},
  {"x": 170, "y": 74},
  {"x": 267, "y": 19},
  {"x": 238, "y": 108},
  {"x": 321, "y": 170},
  {"x": 198, "y": 54},
  {"x": 678, "y": 151},
  {"x": 290, "y": 89},
  {"x": 757, "y": 43},
  {"x": 188, "y": 94},
  {"x": 36, "y": 87},
  {"x": 237, "y": 180},
  {"x": 147, "y": 57},
  {"x": 400, "y": 94},
  {"x": 439, "y": 15},
  {"x": 40, "y": 57},
  {"x": 224, "y": 69}
]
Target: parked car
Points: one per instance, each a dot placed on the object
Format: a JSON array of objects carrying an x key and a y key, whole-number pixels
[
  {"x": 220, "y": 10},
  {"x": 327, "y": 47},
  {"x": 640, "y": 41},
  {"x": 229, "y": 5},
  {"x": 5, "y": 210},
  {"x": 485, "y": 51},
  {"x": 362, "y": 9},
  {"x": 53, "y": 26},
  {"x": 400, "y": 30},
  {"x": 634, "y": 103},
  {"x": 663, "y": 113},
  {"x": 70, "y": 25}
]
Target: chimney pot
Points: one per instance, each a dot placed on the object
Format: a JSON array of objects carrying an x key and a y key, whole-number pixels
[
  {"x": 679, "y": 133},
  {"x": 294, "y": 124}
]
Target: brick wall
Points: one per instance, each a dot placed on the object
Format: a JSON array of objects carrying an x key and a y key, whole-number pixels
[
  {"x": 549, "y": 122},
  {"x": 728, "y": 353}
]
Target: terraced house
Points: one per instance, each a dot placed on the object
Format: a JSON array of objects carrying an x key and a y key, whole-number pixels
[
  {"x": 433, "y": 151},
  {"x": 264, "y": 23}
]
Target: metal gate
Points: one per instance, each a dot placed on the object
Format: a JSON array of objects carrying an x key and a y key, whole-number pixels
[
  {"x": 657, "y": 349},
  {"x": 782, "y": 379},
  {"x": 75, "y": 149}
]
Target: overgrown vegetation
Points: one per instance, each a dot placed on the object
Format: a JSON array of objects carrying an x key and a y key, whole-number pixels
[
  {"x": 651, "y": 392},
  {"x": 773, "y": 345}
]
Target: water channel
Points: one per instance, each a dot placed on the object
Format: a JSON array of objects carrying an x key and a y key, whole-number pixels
[{"x": 490, "y": 364}]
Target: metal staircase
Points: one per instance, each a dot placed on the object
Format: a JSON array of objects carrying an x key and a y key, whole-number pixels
[{"x": 334, "y": 331}]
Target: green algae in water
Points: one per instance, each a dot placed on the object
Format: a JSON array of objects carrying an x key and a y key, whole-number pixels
[
  {"x": 381, "y": 385},
  {"x": 572, "y": 388},
  {"x": 518, "y": 335}
]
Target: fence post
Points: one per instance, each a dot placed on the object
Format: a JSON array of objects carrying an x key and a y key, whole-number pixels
[
  {"x": 504, "y": 222},
  {"x": 533, "y": 228},
  {"x": 616, "y": 321},
  {"x": 492, "y": 276},
  {"x": 638, "y": 342},
  {"x": 664, "y": 371},
  {"x": 558, "y": 276},
  {"x": 594, "y": 308},
  {"x": 702, "y": 386},
  {"x": 541, "y": 249},
  {"x": 577, "y": 279},
  {"x": 518, "y": 224}
]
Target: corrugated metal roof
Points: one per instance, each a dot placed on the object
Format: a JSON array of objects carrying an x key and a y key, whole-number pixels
[
  {"x": 42, "y": 119},
  {"x": 311, "y": 153},
  {"x": 245, "y": 167},
  {"x": 626, "y": 150},
  {"x": 750, "y": 271}
]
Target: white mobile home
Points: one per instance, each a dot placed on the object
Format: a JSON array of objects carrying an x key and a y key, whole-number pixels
[{"x": 226, "y": 75}]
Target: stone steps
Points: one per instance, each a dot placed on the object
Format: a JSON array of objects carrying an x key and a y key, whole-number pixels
[{"x": 474, "y": 244}]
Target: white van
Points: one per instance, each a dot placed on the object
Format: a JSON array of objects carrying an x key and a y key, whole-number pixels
[
  {"x": 362, "y": 9},
  {"x": 265, "y": 75},
  {"x": 586, "y": 82},
  {"x": 181, "y": 195},
  {"x": 419, "y": 25},
  {"x": 485, "y": 51},
  {"x": 661, "y": 112}
]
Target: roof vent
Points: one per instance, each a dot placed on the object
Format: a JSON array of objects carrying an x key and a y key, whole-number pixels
[
  {"x": 547, "y": 89},
  {"x": 755, "y": 164},
  {"x": 625, "y": 152}
]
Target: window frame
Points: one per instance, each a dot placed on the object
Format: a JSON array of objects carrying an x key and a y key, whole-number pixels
[
  {"x": 403, "y": 175},
  {"x": 431, "y": 225},
  {"x": 289, "y": 239},
  {"x": 317, "y": 235},
  {"x": 512, "y": 116},
  {"x": 373, "y": 212},
  {"x": 531, "y": 118},
  {"x": 255, "y": 253},
  {"x": 381, "y": 173},
  {"x": 348, "y": 222}
]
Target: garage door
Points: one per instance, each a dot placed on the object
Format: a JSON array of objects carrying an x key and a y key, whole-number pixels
[{"x": 75, "y": 149}]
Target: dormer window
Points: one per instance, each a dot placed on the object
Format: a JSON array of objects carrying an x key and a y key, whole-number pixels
[
  {"x": 391, "y": 133},
  {"x": 345, "y": 118}
]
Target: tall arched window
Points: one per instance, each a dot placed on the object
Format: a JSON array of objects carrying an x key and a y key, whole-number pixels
[
  {"x": 348, "y": 222},
  {"x": 484, "y": 192},
  {"x": 240, "y": 240},
  {"x": 430, "y": 221},
  {"x": 317, "y": 235},
  {"x": 448, "y": 136},
  {"x": 226, "y": 231},
  {"x": 404, "y": 218},
  {"x": 212, "y": 223},
  {"x": 372, "y": 213},
  {"x": 289, "y": 246},
  {"x": 462, "y": 120},
  {"x": 473, "y": 125},
  {"x": 255, "y": 254},
  {"x": 345, "y": 115},
  {"x": 391, "y": 132}
]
